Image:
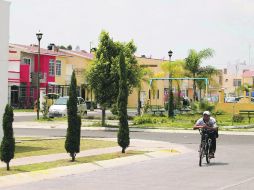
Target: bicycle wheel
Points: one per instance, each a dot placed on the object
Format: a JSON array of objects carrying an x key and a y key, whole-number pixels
[
  {"x": 208, "y": 147},
  {"x": 201, "y": 154}
]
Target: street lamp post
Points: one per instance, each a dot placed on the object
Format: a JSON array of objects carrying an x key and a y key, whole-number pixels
[
  {"x": 170, "y": 93},
  {"x": 39, "y": 37}
]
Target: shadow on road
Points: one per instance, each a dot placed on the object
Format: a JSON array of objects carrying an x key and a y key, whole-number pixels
[{"x": 218, "y": 164}]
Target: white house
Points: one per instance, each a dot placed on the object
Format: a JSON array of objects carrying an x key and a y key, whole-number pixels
[{"x": 4, "y": 52}]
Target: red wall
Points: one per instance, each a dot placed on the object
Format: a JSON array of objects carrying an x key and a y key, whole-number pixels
[
  {"x": 44, "y": 67},
  {"x": 24, "y": 73}
]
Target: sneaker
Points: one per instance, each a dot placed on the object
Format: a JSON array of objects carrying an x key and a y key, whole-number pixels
[{"x": 211, "y": 155}]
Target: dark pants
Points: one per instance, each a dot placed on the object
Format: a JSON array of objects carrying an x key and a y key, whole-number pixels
[{"x": 213, "y": 136}]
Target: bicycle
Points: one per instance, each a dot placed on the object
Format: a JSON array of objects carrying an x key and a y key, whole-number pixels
[{"x": 205, "y": 146}]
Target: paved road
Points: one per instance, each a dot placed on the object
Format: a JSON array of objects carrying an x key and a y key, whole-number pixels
[
  {"x": 231, "y": 169},
  {"x": 32, "y": 116}
]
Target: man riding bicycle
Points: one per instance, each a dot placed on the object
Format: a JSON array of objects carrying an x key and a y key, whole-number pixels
[{"x": 209, "y": 123}]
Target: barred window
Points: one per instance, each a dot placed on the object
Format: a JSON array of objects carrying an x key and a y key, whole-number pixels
[
  {"x": 58, "y": 67},
  {"x": 51, "y": 67},
  {"x": 27, "y": 61},
  {"x": 22, "y": 90},
  {"x": 237, "y": 82}
]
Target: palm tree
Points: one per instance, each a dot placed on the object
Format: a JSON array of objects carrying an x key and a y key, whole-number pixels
[
  {"x": 206, "y": 72},
  {"x": 174, "y": 69},
  {"x": 193, "y": 64}
]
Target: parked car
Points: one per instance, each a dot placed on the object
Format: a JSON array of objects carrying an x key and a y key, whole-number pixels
[
  {"x": 59, "y": 108},
  {"x": 231, "y": 99},
  {"x": 51, "y": 98}
]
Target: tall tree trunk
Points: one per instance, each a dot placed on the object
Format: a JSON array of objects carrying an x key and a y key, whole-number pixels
[
  {"x": 8, "y": 166},
  {"x": 139, "y": 102},
  {"x": 194, "y": 89},
  {"x": 103, "y": 117}
]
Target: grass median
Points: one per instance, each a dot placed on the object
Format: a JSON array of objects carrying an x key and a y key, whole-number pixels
[
  {"x": 65, "y": 162},
  {"x": 183, "y": 121},
  {"x": 35, "y": 146}
]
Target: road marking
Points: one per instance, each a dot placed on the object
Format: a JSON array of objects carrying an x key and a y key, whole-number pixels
[{"x": 236, "y": 184}]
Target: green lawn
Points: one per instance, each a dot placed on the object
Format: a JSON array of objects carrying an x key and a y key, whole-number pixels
[
  {"x": 34, "y": 147},
  {"x": 65, "y": 162},
  {"x": 23, "y": 110},
  {"x": 183, "y": 121}
]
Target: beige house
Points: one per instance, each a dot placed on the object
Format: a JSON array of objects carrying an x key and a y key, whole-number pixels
[
  {"x": 231, "y": 82},
  {"x": 78, "y": 61}
]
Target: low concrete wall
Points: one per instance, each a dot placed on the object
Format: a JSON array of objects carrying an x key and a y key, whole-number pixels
[{"x": 234, "y": 107}]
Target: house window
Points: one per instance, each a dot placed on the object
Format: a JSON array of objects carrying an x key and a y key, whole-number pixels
[
  {"x": 27, "y": 61},
  {"x": 51, "y": 67},
  {"x": 58, "y": 67},
  {"x": 31, "y": 92},
  {"x": 237, "y": 82},
  {"x": 22, "y": 89},
  {"x": 220, "y": 80}
]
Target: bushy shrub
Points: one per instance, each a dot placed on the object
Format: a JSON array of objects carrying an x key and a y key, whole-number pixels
[
  {"x": 45, "y": 108},
  {"x": 130, "y": 117},
  {"x": 238, "y": 118},
  {"x": 205, "y": 105},
  {"x": 166, "y": 106},
  {"x": 146, "y": 107},
  {"x": 149, "y": 119},
  {"x": 112, "y": 117},
  {"x": 89, "y": 117},
  {"x": 219, "y": 112},
  {"x": 114, "y": 109},
  {"x": 194, "y": 106}
]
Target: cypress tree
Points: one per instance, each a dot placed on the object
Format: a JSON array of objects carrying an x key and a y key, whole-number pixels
[
  {"x": 8, "y": 141},
  {"x": 122, "y": 100},
  {"x": 72, "y": 142}
]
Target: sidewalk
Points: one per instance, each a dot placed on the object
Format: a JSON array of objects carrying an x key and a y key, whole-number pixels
[{"x": 157, "y": 149}]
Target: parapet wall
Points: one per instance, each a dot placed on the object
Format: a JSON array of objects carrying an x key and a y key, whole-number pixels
[{"x": 234, "y": 107}]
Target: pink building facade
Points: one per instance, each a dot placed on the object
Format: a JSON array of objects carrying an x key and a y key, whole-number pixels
[{"x": 23, "y": 67}]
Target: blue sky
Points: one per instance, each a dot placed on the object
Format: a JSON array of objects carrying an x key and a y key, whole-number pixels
[{"x": 227, "y": 26}]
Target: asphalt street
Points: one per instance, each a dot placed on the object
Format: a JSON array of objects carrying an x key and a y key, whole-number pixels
[{"x": 231, "y": 169}]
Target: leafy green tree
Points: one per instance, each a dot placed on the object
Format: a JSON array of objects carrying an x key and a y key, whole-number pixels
[
  {"x": 8, "y": 141},
  {"x": 104, "y": 72},
  {"x": 193, "y": 64},
  {"x": 61, "y": 47},
  {"x": 72, "y": 142},
  {"x": 122, "y": 100},
  {"x": 69, "y": 47}
]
